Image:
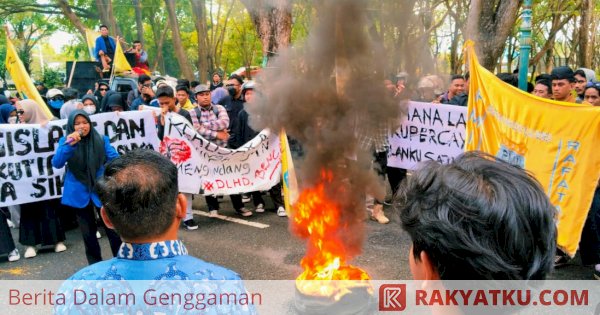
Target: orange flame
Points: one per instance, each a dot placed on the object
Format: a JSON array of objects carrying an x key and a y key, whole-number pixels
[{"x": 317, "y": 218}]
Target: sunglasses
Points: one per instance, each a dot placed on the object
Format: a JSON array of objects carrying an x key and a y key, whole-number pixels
[
  {"x": 57, "y": 98},
  {"x": 104, "y": 89},
  {"x": 20, "y": 112}
]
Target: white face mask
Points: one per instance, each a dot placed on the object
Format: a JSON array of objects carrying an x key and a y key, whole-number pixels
[
  {"x": 90, "y": 109},
  {"x": 12, "y": 120}
]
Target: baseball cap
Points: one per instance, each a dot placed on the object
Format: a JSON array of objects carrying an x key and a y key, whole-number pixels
[
  {"x": 201, "y": 88},
  {"x": 53, "y": 92}
]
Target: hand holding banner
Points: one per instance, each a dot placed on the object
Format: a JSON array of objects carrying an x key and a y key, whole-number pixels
[
  {"x": 26, "y": 151},
  {"x": 204, "y": 166}
]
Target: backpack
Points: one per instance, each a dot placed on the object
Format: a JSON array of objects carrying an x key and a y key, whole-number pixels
[{"x": 214, "y": 108}]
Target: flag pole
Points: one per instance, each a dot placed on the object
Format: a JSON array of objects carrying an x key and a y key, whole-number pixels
[
  {"x": 72, "y": 72},
  {"x": 525, "y": 45}
]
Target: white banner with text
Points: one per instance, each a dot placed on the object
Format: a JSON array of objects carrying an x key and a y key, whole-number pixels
[
  {"x": 430, "y": 132},
  {"x": 26, "y": 151},
  {"x": 205, "y": 167}
]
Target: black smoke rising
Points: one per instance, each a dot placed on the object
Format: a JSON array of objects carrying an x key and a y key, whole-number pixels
[{"x": 324, "y": 94}]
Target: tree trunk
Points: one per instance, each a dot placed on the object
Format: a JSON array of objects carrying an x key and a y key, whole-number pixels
[
  {"x": 107, "y": 17},
  {"x": 159, "y": 39},
  {"x": 557, "y": 25},
  {"x": 198, "y": 7},
  {"x": 273, "y": 22},
  {"x": 584, "y": 57},
  {"x": 184, "y": 65},
  {"x": 139, "y": 24},
  {"x": 489, "y": 25},
  {"x": 71, "y": 16}
]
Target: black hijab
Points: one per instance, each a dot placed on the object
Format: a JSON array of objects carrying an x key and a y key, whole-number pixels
[{"x": 89, "y": 153}]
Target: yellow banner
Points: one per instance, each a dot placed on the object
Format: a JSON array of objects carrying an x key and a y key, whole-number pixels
[
  {"x": 21, "y": 78},
  {"x": 90, "y": 38},
  {"x": 557, "y": 142},
  {"x": 289, "y": 181},
  {"x": 120, "y": 63}
]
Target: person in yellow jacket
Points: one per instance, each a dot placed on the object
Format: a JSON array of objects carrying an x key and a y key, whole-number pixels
[{"x": 183, "y": 98}]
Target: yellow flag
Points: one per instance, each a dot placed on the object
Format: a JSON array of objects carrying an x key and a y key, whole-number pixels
[
  {"x": 120, "y": 63},
  {"x": 90, "y": 38},
  {"x": 557, "y": 142},
  {"x": 21, "y": 78},
  {"x": 288, "y": 174}
]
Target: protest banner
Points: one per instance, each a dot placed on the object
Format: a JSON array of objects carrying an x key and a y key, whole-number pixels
[
  {"x": 26, "y": 151},
  {"x": 430, "y": 132},
  {"x": 556, "y": 141},
  {"x": 205, "y": 167}
]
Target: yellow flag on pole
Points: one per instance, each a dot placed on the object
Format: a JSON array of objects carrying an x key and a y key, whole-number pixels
[
  {"x": 288, "y": 174},
  {"x": 120, "y": 64},
  {"x": 556, "y": 141},
  {"x": 22, "y": 80},
  {"x": 90, "y": 38}
]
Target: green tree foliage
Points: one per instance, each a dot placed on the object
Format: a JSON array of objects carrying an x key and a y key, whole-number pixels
[
  {"x": 418, "y": 36},
  {"x": 52, "y": 78}
]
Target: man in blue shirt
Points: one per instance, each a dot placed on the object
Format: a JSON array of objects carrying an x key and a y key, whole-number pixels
[
  {"x": 141, "y": 202},
  {"x": 105, "y": 48}
]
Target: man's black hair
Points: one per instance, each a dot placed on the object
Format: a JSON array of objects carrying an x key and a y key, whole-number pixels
[
  {"x": 103, "y": 25},
  {"x": 546, "y": 83},
  {"x": 456, "y": 76},
  {"x": 182, "y": 88},
  {"x": 139, "y": 193},
  {"x": 137, "y": 42},
  {"x": 479, "y": 218},
  {"x": 580, "y": 73},
  {"x": 143, "y": 78},
  {"x": 164, "y": 90},
  {"x": 509, "y": 78},
  {"x": 563, "y": 73},
  {"x": 194, "y": 84},
  {"x": 543, "y": 76},
  {"x": 236, "y": 77},
  {"x": 185, "y": 82}
]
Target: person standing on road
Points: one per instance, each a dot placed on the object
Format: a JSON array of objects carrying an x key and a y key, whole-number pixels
[
  {"x": 84, "y": 151},
  {"x": 243, "y": 134},
  {"x": 211, "y": 122},
  {"x": 39, "y": 224}
]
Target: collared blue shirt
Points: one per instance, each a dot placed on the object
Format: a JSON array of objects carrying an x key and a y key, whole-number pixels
[{"x": 167, "y": 260}]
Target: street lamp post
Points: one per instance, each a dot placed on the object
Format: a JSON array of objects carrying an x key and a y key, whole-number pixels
[{"x": 525, "y": 44}]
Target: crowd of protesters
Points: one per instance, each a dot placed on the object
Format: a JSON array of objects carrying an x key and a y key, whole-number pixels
[{"x": 219, "y": 104}]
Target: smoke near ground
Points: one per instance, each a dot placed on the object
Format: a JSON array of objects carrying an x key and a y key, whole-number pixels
[{"x": 324, "y": 93}]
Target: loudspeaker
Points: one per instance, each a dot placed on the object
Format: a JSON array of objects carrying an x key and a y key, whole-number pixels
[
  {"x": 84, "y": 76},
  {"x": 130, "y": 58}
]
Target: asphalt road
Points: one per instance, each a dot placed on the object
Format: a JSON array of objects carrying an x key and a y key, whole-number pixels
[{"x": 259, "y": 248}]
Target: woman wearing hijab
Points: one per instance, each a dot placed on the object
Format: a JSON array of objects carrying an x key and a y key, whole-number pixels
[
  {"x": 8, "y": 115},
  {"x": 113, "y": 101},
  {"x": 31, "y": 113},
  {"x": 90, "y": 104},
  {"x": 39, "y": 223},
  {"x": 85, "y": 152}
]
